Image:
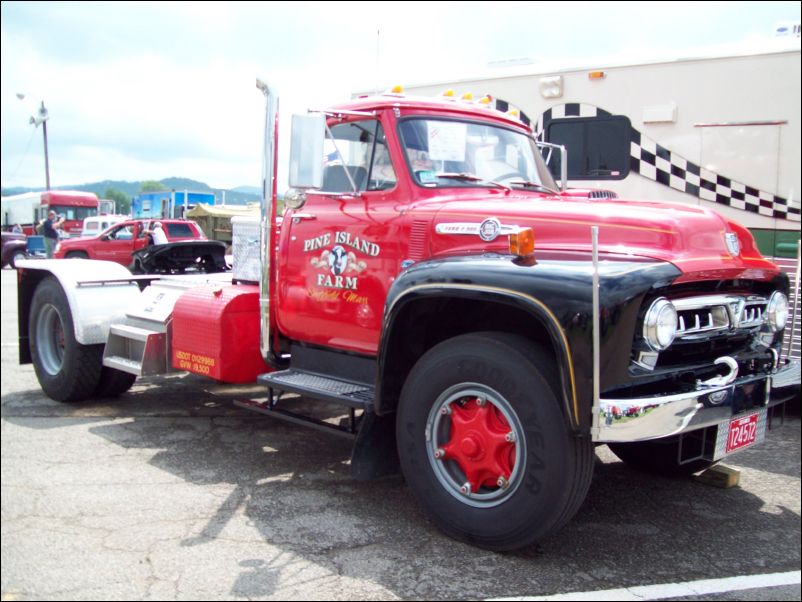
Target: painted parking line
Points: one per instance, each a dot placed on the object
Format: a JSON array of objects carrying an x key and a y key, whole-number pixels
[{"x": 677, "y": 590}]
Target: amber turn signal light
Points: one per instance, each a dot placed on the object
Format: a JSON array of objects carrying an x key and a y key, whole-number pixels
[{"x": 522, "y": 242}]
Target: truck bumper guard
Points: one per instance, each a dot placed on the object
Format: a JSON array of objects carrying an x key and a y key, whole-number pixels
[{"x": 639, "y": 419}]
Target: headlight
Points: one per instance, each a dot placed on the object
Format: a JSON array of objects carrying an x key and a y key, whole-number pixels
[
  {"x": 660, "y": 324},
  {"x": 777, "y": 311}
]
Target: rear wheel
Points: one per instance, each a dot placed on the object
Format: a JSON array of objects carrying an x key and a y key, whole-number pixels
[
  {"x": 658, "y": 456},
  {"x": 113, "y": 383},
  {"x": 484, "y": 445},
  {"x": 67, "y": 370}
]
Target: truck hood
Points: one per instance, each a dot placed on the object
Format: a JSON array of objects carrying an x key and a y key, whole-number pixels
[{"x": 694, "y": 239}]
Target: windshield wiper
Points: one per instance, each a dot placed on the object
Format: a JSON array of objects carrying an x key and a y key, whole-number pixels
[
  {"x": 469, "y": 177},
  {"x": 535, "y": 185}
]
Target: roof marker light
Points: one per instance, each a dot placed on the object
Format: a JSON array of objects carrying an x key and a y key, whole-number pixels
[
  {"x": 467, "y": 96},
  {"x": 397, "y": 89},
  {"x": 449, "y": 93}
]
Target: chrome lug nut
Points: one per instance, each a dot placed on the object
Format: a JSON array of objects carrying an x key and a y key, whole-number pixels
[
  {"x": 510, "y": 437},
  {"x": 465, "y": 489},
  {"x": 439, "y": 454},
  {"x": 503, "y": 482}
]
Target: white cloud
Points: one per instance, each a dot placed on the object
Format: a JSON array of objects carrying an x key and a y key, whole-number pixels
[{"x": 141, "y": 90}]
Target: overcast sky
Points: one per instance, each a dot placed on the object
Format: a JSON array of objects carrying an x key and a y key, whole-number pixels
[{"x": 152, "y": 90}]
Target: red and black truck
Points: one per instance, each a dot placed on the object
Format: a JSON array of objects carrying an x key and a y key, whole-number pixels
[{"x": 479, "y": 325}]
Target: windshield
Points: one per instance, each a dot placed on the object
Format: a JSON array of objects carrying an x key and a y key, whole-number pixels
[{"x": 448, "y": 153}]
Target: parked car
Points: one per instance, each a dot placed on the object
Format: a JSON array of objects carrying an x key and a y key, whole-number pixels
[
  {"x": 119, "y": 242},
  {"x": 14, "y": 248},
  {"x": 96, "y": 224}
]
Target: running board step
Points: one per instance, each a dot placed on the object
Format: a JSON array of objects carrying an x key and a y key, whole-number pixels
[{"x": 353, "y": 395}]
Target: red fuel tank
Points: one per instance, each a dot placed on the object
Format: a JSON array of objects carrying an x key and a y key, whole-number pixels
[{"x": 216, "y": 333}]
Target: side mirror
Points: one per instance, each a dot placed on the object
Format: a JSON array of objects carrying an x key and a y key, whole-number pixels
[
  {"x": 563, "y": 160},
  {"x": 306, "y": 151}
]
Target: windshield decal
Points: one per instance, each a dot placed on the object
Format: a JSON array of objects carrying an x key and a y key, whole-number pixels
[{"x": 447, "y": 140}]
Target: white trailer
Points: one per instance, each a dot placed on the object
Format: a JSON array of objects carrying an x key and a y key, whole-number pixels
[
  {"x": 718, "y": 131},
  {"x": 20, "y": 209}
]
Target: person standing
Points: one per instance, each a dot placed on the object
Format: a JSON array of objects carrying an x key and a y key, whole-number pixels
[
  {"x": 50, "y": 229},
  {"x": 157, "y": 234}
]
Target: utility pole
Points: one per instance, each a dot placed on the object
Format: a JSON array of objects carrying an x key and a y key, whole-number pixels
[
  {"x": 41, "y": 119},
  {"x": 43, "y": 116}
]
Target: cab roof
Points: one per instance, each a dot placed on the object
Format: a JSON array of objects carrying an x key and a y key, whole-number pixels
[{"x": 409, "y": 104}]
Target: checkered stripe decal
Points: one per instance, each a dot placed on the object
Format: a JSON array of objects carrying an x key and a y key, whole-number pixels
[{"x": 659, "y": 164}]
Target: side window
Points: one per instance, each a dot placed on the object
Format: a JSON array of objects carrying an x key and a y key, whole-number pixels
[
  {"x": 382, "y": 174},
  {"x": 357, "y": 149},
  {"x": 346, "y": 158},
  {"x": 122, "y": 233},
  {"x": 179, "y": 231},
  {"x": 598, "y": 147}
]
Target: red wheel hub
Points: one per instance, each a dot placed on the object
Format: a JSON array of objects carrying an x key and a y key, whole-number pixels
[{"x": 479, "y": 443}]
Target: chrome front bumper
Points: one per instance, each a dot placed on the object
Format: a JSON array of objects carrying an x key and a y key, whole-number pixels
[{"x": 638, "y": 419}]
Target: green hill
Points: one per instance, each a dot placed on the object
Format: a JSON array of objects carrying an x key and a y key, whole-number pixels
[{"x": 238, "y": 196}]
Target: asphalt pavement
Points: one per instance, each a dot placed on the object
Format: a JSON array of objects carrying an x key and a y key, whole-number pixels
[{"x": 171, "y": 492}]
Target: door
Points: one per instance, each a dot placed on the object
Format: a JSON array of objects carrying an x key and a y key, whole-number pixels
[
  {"x": 120, "y": 242},
  {"x": 340, "y": 252}
]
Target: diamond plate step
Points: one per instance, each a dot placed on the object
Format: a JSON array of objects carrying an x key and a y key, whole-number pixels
[{"x": 308, "y": 384}]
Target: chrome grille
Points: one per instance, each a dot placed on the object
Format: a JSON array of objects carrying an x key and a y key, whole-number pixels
[{"x": 699, "y": 317}]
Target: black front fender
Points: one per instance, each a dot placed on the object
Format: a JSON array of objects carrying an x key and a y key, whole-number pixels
[{"x": 548, "y": 300}]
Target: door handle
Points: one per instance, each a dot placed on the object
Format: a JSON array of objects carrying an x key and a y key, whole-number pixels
[{"x": 297, "y": 217}]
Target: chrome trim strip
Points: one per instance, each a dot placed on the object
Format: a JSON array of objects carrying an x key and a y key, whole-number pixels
[
  {"x": 674, "y": 414},
  {"x": 470, "y": 228}
]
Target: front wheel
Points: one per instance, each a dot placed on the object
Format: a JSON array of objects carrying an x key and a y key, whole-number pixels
[
  {"x": 67, "y": 370},
  {"x": 484, "y": 445}
]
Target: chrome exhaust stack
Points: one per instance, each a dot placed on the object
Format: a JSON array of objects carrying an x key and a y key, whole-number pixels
[{"x": 267, "y": 221}]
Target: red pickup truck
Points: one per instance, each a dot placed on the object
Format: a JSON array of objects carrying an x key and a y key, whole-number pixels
[{"x": 119, "y": 242}]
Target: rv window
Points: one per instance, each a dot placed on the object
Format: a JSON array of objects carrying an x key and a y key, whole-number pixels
[{"x": 598, "y": 147}]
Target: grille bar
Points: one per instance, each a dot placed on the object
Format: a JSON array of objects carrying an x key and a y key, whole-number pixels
[{"x": 718, "y": 313}]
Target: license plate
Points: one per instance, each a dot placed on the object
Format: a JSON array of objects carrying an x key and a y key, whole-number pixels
[{"x": 742, "y": 432}]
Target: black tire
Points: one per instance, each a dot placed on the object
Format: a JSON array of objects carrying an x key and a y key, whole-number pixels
[
  {"x": 136, "y": 266},
  {"x": 67, "y": 370},
  {"x": 547, "y": 469},
  {"x": 113, "y": 383},
  {"x": 77, "y": 255},
  {"x": 658, "y": 456},
  {"x": 17, "y": 256}
]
